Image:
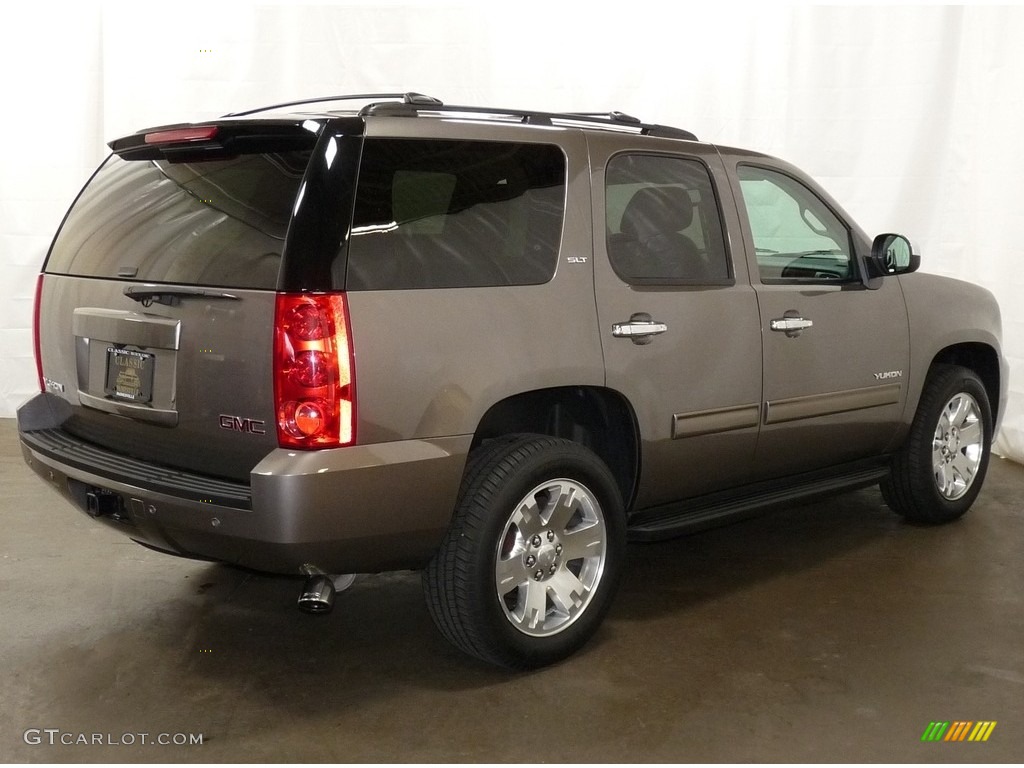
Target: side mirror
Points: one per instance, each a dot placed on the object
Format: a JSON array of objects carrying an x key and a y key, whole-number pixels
[{"x": 893, "y": 255}]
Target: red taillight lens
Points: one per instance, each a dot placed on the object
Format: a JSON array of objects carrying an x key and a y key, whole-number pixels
[
  {"x": 314, "y": 383},
  {"x": 311, "y": 368},
  {"x": 35, "y": 332},
  {"x": 307, "y": 322}
]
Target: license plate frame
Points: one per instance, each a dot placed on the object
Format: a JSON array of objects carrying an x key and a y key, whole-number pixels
[{"x": 130, "y": 375}]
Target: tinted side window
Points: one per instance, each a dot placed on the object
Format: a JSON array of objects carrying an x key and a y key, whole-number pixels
[
  {"x": 453, "y": 214},
  {"x": 663, "y": 221},
  {"x": 796, "y": 236},
  {"x": 215, "y": 223}
]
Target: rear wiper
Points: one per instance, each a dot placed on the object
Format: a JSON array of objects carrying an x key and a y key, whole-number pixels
[{"x": 172, "y": 296}]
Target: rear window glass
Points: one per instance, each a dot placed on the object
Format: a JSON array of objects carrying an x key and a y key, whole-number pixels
[
  {"x": 451, "y": 214},
  {"x": 213, "y": 223}
]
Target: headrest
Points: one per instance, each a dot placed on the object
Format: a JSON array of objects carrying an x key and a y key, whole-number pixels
[{"x": 657, "y": 211}]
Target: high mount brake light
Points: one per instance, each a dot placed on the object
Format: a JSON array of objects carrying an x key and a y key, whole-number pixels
[
  {"x": 314, "y": 382},
  {"x": 182, "y": 135}
]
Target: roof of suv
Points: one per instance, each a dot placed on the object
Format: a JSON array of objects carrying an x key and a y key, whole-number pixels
[{"x": 416, "y": 105}]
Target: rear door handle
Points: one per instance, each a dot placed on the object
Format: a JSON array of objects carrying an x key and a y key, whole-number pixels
[
  {"x": 791, "y": 326},
  {"x": 640, "y": 328}
]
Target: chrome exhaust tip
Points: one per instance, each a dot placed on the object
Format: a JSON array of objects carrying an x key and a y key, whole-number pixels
[{"x": 317, "y": 594}]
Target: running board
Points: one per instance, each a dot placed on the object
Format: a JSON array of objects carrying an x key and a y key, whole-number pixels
[{"x": 674, "y": 519}]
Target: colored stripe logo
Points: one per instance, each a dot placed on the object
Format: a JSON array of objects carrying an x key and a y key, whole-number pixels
[{"x": 959, "y": 730}]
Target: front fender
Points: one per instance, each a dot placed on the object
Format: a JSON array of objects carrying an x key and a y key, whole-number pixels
[{"x": 946, "y": 315}]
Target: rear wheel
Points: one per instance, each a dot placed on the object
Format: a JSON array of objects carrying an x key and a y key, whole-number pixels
[
  {"x": 939, "y": 472},
  {"x": 531, "y": 560}
]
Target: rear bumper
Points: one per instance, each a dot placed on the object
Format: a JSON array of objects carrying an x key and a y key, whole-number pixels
[{"x": 348, "y": 510}]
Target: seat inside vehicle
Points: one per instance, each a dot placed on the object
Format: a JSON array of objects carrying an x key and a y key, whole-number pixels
[{"x": 651, "y": 242}]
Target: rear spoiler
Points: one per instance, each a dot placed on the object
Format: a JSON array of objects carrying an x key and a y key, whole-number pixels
[{"x": 191, "y": 142}]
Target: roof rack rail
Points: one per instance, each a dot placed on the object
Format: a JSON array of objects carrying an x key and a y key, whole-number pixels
[
  {"x": 411, "y": 104},
  {"x": 410, "y": 98},
  {"x": 606, "y": 120}
]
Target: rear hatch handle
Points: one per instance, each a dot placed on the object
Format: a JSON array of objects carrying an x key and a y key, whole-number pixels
[{"x": 172, "y": 297}]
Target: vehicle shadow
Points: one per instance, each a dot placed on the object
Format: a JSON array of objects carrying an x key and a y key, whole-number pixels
[{"x": 672, "y": 576}]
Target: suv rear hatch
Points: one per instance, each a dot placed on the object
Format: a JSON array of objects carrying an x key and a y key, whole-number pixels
[{"x": 157, "y": 302}]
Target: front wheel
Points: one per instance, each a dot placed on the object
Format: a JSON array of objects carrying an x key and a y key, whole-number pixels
[
  {"x": 531, "y": 560},
  {"x": 938, "y": 473}
]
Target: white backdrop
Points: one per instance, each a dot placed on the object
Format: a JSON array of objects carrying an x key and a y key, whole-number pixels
[{"x": 913, "y": 117}]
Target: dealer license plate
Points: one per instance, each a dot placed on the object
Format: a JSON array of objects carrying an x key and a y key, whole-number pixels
[{"x": 129, "y": 375}]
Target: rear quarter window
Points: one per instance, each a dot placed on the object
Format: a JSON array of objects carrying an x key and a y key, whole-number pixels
[
  {"x": 214, "y": 223},
  {"x": 455, "y": 214}
]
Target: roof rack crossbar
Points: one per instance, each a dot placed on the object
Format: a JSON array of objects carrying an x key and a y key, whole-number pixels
[
  {"x": 410, "y": 98},
  {"x": 619, "y": 117}
]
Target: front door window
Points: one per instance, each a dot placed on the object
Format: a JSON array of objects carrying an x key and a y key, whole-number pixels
[{"x": 797, "y": 238}]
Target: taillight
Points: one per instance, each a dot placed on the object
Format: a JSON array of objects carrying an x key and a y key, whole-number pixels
[
  {"x": 35, "y": 332},
  {"x": 314, "y": 382}
]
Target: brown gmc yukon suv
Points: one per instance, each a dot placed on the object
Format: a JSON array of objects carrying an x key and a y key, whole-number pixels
[{"x": 489, "y": 344}]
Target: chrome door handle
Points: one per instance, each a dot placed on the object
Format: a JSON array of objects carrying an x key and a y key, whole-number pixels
[
  {"x": 647, "y": 328},
  {"x": 791, "y": 325},
  {"x": 639, "y": 329}
]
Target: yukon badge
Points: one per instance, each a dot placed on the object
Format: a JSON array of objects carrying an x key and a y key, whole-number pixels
[{"x": 888, "y": 375}]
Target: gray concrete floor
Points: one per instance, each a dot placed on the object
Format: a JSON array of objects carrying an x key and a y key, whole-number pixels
[{"x": 826, "y": 632}]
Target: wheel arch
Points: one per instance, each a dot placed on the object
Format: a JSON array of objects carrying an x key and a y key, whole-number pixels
[
  {"x": 983, "y": 360},
  {"x": 598, "y": 418}
]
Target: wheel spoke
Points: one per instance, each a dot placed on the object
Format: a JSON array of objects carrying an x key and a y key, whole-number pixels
[
  {"x": 959, "y": 407},
  {"x": 567, "y": 592},
  {"x": 527, "y": 517},
  {"x": 583, "y": 542},
  {"x": 963, "y": 468},
  {"x": 971, "y": 433},
  {"x": 509, "y": 574},
  {"x": 535, "y": 605},
  {"x": 563, "y": 506}
]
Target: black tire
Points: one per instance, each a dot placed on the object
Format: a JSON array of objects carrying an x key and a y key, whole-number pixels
[
  {"x": 494, "y": 616},
  {"x": 936, "y": 476}
]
